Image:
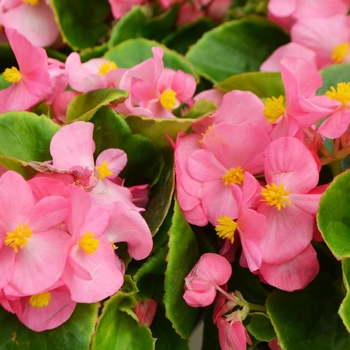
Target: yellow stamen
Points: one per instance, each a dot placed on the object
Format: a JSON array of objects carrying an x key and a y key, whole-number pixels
[
  {"x": 203, "y": 133},
  {"x": 339, "y": 52},
  {"x": 341, "y": 94},
  {"x": 40, "y": 300},
  {"x": 31, "y": 2},
  {"x": 226, "y": 229},
  {"x": 88, "y": 243},
  {"x": 277, "y": 196},
  {"x": 274, "y": 109},
  {"x": 103, "y": 170},
  {"x": 106, "y": 67},
  {"x": 12, "y": 75},
  {"x": 235, "y": 176},
  {"x": 18, "y": 238},
  {"x": 168, "y": 99}
]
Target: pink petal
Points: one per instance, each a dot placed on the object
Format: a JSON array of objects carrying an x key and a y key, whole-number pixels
[{"x": 116, "y": 160}]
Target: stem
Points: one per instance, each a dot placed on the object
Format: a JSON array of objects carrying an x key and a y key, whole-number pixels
[
  {"x": 336, "y": 167},
  {"x": 257, "y": 307}
]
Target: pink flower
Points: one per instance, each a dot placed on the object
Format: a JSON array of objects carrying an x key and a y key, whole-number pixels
[
  {"x": 33, "y": 19},
  {"x": 145, "y": 311},
  {"x": 29, "y": 237},
  {"x": 210, "y": 272},
  {"x": 121, "y": 7},
  {"x": 31, "y": 83}
]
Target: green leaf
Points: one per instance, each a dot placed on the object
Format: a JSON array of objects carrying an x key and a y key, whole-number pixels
[
  {"x": 134, "y": 51},
  {"x": 118, "y": 327},
  {"x": 84, "y": 106},
  {"x": 145, "y": 160},
  {"x": 201, "y": 108},
  {"x": 235, "y": 47},
  {"x": 261, "y": 84},
  {"x": 24, "y": 136},
  {"x": 156, "y": 128},
  {"x": 344, "y": 310},
  {"x": 4, "y": 84},
  {"x": 261, "y": 328},
  {"x": 93, "y": 52},
  {"x": 333, "y": 75},
  {"x": 333, "y": 216},
  {"x": 74, "y": 334},
  {"x": 188, "y": 34},
  {"x": 81, "y": 22},
  {"x": 183, "y": 255},
  {"x": 166, "y": 336},
  {"x": 308, "y": 319},
  {"x": 128, "y": 27},
  {"x": 161, "y": 194}
]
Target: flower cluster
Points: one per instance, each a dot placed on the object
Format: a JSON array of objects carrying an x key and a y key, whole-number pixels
[{"x": 59, "y": 230}]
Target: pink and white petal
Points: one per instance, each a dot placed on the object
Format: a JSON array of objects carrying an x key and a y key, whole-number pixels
[
  {"x": 294, "y": 274},
  {"x": 252, "y": 253},
  {"x": 7, "y": 265},
  {"x": 116, "y": 160},
  {"x": 297, "y": 170},
  {"x": 336, "y": 124},
  {"x": 73, "y": 145},
  {"x": 307, "y": 202},
  {"x": 231, "y": 335},
  {"x": 58, "y": 311},
  {"x": 16, "y": 201},
  {"x": 48, "y": 213},
  {"x": 40, "y": 263},
  {"x": 196, "y": 216},
  {"x": 289, "y": 232}
]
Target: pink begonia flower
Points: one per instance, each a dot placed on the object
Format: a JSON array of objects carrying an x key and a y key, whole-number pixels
[
  {"x": 58, "y": 77},
  {"x": 93, "y": 271},
  {"x": 217, "y": 9},
  {"x": 188, "y": 13},
  {"x": 237, "y": 107},
  {"x": 294, "y": 274},
  {"x": 45, "y": 310},
  {"x": 129, "y": 226},
  {"x": 72, "y": 149},
  {"x": 232, "y": 335},
  {"x": 287, "y": 203},
  {"x": 274, "y": 345},
  {"x": 212, "y": 95},
  {"x": 94, "y": 74},
  {"x": 250, "y": 225},
  {"x": 331, "y": 44},
  {"x": 121, "y": 7},
  {"x": 221, "y": 164},
  {"x": 30, "y": 240},
  {"x": 272, "y": 63},
  {"x": 34, "y": 19},
  {"x": 31, "y": 83},
  {"x": 145, "y": 311},
  {"x": 288, "y": 12},
  {"x": 60, "y": 104},
  {"x": 188, "y": 190},
  {"x": 211, "y": 271}
]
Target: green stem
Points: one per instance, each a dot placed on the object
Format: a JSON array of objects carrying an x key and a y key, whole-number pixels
[
  {"x": 336, "y": 167},
  {"x": 257, "y": 307}
]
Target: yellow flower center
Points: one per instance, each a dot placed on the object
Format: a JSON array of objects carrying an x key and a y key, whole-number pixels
[
  {"x": 274, "y": 109},
  {"x": 106, "y": 67},
  {"x": 12, "y": 75},
  {"x": 40, "y": 300},
  {"x": 274, "y": 195},
  {"x": 18, "y": 238},
  {"x": 31, "y": 2},
  {"x": 103, "y": 170},
  {"x": 341, "y": 94},
  {"x": 339, "y": 52},
  {"x": 88, "y": 243},
  {"x": 235, "y": 176},
  {"x": 168, "y": 99},
  {"x": 226, "y": 228}
]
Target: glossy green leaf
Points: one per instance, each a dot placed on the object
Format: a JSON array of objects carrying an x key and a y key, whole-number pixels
[
  {"x": 161, "y": 194},
  {"x": 235, "y": 47},
  {"x": 129, "y": 26},
  {"x": 308, "y": 319},
  {"x": 188, "y": 34},
  {"x": 261, "y": 328},
  {"x": 145, "y": 160},
  {"x": 118, "y": 328},
  {"x": 261, "y": 84},
  {"x": 201, "y": 108},
  {"x": 344, "y": 310},
  {"x": 3, "y": 83},
  {"x": 166, "y": 336},
  {"x": 82, "y": 23},
  {"x": 333, "y": 216},
  {"x": 84, "y": 106},
  {"x": 24, "y": 136},
  {"x": 156, "y": 128},
  {"x": 74, "y": 334},
  {"x": 183, "y": 255},
  {"x": 333, "y": 75},
  {"x": 93, "y": 52},
  {"x": 134, "y": 51}
]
